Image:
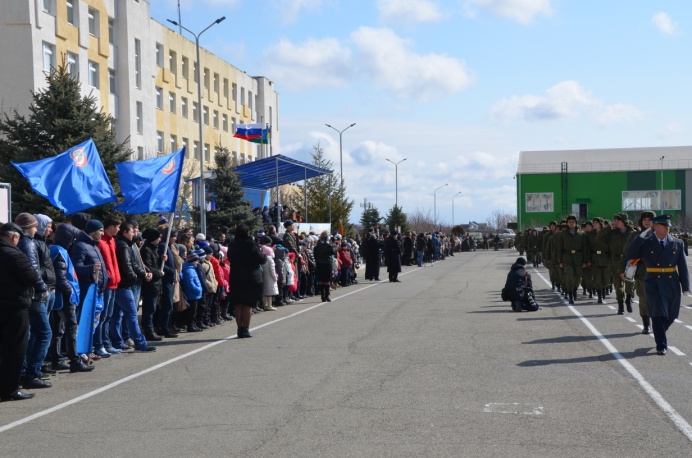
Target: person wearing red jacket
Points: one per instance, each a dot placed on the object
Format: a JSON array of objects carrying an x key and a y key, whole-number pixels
[
  {"x": 215, "y": 315},
  {"x": 344, "y": 255},
  {"x": 102, "y": 342}
]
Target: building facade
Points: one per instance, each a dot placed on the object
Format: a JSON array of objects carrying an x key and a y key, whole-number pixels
[
  {"x": 140, "y": 71},
  {"x": 602, "y": 182}
]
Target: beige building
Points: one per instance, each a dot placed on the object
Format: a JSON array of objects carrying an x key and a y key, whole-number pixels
[{"x": 139, "y": 70}]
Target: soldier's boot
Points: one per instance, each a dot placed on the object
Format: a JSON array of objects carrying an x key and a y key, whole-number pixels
[
  {"x": 571, "y": 297},
  {"x": 583, "y": 291},
  {"x": 574, "y": 293},
  {"x": 552, "y": 283},
  {"x": 628, "y": 303},
  {"x": 600, "y": 297},
  {"x": 647, "y": 322},
  {"x": 590, "y": 294},
  {"x": 621, "y": 307}
]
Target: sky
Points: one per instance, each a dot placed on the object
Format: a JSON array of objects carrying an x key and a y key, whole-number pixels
[{"x": 457, "y": 88}]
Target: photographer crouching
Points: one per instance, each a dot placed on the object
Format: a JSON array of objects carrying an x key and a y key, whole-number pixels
[{"x": 519, "y": 289}]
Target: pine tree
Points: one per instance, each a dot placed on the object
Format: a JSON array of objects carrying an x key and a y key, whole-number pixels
[
  {"x": 231, "y": 206},
  {"x": 60, "y": 118},
  {"x": 319, "y": 190},
  {"x": 397, "y": 218},
  {"x": 370, "y": 219}
]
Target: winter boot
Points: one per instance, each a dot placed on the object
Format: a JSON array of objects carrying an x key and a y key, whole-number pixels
[
  {"x": 621, "y": 307},
  {"x": 326, "y": 295},
  {"x": 583, "y": 291},
  {"x": 571, "y": 297},
  {"x": 574, "y": 293},
  {"x": 590, "y": 294},
  {"x": 553, "y": 288},
  {"x": 600, "y": 297},
  {"x": 647, "y": 322},
  {"x": 628, "y": 302}
]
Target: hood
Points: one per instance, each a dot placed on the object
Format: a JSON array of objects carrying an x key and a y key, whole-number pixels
[
  {"x": 517, "y": 266},
  {"x": 43, "y": 222},
  {"x": 65, "y": 234}
]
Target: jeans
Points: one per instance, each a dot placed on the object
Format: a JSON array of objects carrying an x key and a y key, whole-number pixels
[
  {"x": 166, "y": 307},
  {"x": 149, "y": 302},
  {"x": 126, "y": 308},
  {"x": 101, "y": 334},
  {"x": 137, "y": 293},
  {"x": 419, "y": 258},
  {"x": 39, "y": 338}
]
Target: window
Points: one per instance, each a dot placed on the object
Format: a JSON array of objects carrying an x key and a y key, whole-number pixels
[
  {"x": 73, "y": 65},
  {"x": 48, "y": 57},
  {"x": 195, "y": 149},
  {"x": 159, "y": 141},
  {"x": 216, "y": 83},
  {"x": 140, "y": 120},
  {"x": 206, "y": 115},
  {"x": 249, "y": 101},
  {"x": 185, "y": 66},
  {"x": 159, "y": 55},
  {"x": 194, "y": 72},
  {"x": 651, "y": 200},
  {"x": 70, "y": 12},
  {"x": 111, "y": 81},
  {"x": 159, "y": 98},
  {"x": 225, "y": 88},
  {"x": 138, "y": 64},
  {"x": 206, "y": 78},
  {"x": 183, "y": 106},
  {"x": 140, "y": 153},
  {"x": 224, "y": 123},
  {"x": 172, "y": 62},
  {"x": 94, "y": 74},
  {"x": 185, "y": 142},
  {"x": 539, "y": 202},
  {"x": 235, "y": 93},
  {"x": 242, "y": 96},
  {"x": 49, "y": 6},
  {"x": 215, "y": 119},
  {"x": 206, "y": 152},
  {"x": 171, "y": 102},
  {"x": 93, "y": 22},
  {"x": 174, "y": 143},
  {"x": 242, "y": 158},
  {"x": 195, "y": 115},
  {"x": 111, "y": 32},
  {"x": 235, "y": 157},
  {"x": 233, "y": 123}
]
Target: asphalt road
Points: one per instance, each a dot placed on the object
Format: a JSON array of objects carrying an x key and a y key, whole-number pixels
[{"x": 436, "y": 365}]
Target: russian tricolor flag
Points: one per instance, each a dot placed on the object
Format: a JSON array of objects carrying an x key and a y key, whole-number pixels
[{"x": 249, "y": 131}]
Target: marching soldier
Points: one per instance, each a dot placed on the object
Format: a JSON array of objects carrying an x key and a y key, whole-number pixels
[
  {"x": 600, "y": 260},
  {"x": 572, "y": 256},
  {"x": 615, "y": 237},
  {"x": 547, "y": 248},
  {"x": 645, "y": 222},
  {"x": 587, "y": 279}
]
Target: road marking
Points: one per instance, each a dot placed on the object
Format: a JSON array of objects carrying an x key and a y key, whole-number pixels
[
  {"x": 678, "y": 321},
  {"x": 513, "y": 407},
  {"x": 664, "y": 405},
  {"x": 688, "y": 327},
  {"x": 104, "y": 388},
  {"x": 676, "y": 351},
  {"x": 611, "y": 307},
  {"x": 628, "y": 318}
]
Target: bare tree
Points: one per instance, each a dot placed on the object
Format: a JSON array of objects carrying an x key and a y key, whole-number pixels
[
  {"x": 421, "y": 221},
  {"x": 498, "y": 219}
]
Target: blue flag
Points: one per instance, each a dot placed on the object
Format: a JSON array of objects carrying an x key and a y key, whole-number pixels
[
  {"x": 72, "y": 181},
  {"x": 151, "y": 185},
  {"x": 88, "y": 321}
]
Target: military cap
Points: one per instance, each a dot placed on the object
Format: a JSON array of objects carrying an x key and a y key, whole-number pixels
[
  {"x": 599, "y": 220},
  {"x": 647, "y": 214},
  {"x": 586, "y": 223},
  {"x": 663, "y": 220},
  {"x": 574, "y": 217},
  {"x": 622, "y": 217},
  {"x": 552, "y": 223}
]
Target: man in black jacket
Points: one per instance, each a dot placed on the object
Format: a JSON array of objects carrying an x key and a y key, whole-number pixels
[
  {"x": 519, "y": 288},
  {"x": 151, "y": 290},
  {"x": 17, "y": 278}
]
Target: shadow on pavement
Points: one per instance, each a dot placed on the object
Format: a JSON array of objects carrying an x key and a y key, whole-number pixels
[
  {"x": 588, "y": 359},
  {"x": 571, "y": 339}
]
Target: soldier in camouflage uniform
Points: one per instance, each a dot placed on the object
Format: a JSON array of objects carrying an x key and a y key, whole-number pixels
[
  {"x": 600, "y": 260},
  {"x": 534, "y": 249},
  {"x": 519, "y": 242},
  {"x": 562, "y": 227},
  {"x": 572, "y": 256},
  {"x": 546, "y": 249},
  {"x": 645, "y": 222},
  {"x": 587, "y": 279},
  {"x": 615, "y": 236}
]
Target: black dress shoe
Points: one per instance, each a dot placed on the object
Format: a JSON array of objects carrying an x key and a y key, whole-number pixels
[
  {"x": 151, "y": 337},
  {"x": 18, "y": 396},
  {"x": 170, "y": 335},
  {"x": 79, "y": 366},
  {"x": 36, "y": 383},
  {"x": 662, "y": 352},
  {"x": 59, "y": 366}
]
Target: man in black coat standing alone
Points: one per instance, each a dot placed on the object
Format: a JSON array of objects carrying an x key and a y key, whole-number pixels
[
  {"x": 371, "y": 250},
  {"x": 392, "y": 256}
]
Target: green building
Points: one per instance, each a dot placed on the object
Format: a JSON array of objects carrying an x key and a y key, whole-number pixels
[{"x": 602, "y": 182}]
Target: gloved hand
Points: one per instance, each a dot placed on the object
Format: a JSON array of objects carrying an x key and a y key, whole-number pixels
[{"x": 645, "y": 234}]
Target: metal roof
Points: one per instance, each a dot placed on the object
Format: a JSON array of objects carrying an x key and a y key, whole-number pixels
[{"x": 276, "y": 170}]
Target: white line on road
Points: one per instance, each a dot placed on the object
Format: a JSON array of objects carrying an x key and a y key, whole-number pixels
[
  {"x": 668, "y": 409},
  {"x": 629, "y": 318},
  {"x": 676, "y": 351},
  {"x": 90, "y": 394}
]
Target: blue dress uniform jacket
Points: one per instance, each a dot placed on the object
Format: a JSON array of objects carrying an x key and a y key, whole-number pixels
[{"x": 663, "y": 289}]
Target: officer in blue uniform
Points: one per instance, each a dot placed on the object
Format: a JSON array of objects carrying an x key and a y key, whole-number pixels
[{"x": 666, "y": 275}]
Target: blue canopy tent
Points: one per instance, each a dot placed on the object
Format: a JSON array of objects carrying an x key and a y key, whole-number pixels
[{"x": 274, "y": 171}]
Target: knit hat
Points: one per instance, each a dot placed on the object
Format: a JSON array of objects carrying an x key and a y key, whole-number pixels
[
  {"x": 93, "y": 225},
  {"x": 521, "y": 261},
  {"x": 599, "y": 220},
  {"x": 621, "y": 216},
  {"x": 80, "y": 219},
  {"x": 287, "y": 223},
  {"x": 266, "y": 240},
  {"x": 43, "y": 223},
  {"x": 574, "y": 217},
  {"x": 25, "y": 220},
  {"x": 162, "y": 220},
  {"x": 200, "y": 236},
  {"x": 151, "y": 234},
  {"x": 207, "y": 250},
  {"x": 192, "y": 257}
]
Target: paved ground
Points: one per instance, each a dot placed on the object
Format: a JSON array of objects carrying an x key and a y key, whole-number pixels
[{"x": 434, "y": 366}]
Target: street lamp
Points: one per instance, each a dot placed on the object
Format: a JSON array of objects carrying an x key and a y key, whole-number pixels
[
  {"x": 662, "y": 157},
  {"x": 341, "y": 159},
  {"x": 202, "y": 190},
  {"x": 435, "y": 202},
  {"x": 453, "y": 207},
  {"x": 396, "y": 180}
]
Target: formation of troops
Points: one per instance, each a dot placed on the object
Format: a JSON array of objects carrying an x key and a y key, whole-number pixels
[{"x": 618, "y": 256}]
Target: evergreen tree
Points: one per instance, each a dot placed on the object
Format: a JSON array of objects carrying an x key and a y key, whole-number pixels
[
  {"x": 370, "y": 218},
  {"x": 397, "y": 218},
  {"x": 319, "y": 189},
  {"x": 60, "y": 118},
  {"x": 231, "y": 206}
]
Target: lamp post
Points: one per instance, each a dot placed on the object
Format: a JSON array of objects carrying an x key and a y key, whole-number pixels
[
  {"x": 341, "y": 159},
  {"x": 202, "y": 190},
  {"x": 662, "y": 157},
  {"x": 453, "y": 207},
  {"x": 396, "y": 180},
  {"x": 435, "y": 202}
]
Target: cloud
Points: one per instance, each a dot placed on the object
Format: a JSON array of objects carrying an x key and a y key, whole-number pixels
[
  {"x": 409, "y": 11},
  {"x": 664, "y": 23},
  {"x": 292, "y": 8},
  {"x": 313, "y": 63},
  {"x": 370, "y": 151},
  {"x": 670, "y": 130},
  {"x": 562, "y": 101},
  {"x": 388, "y": 60},
  {"x": 521, "y": 11}
]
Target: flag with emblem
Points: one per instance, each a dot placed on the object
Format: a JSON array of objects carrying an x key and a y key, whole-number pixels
[
  {"x": 151, "y": 185},
  {"x": 72, "y": 181}
]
